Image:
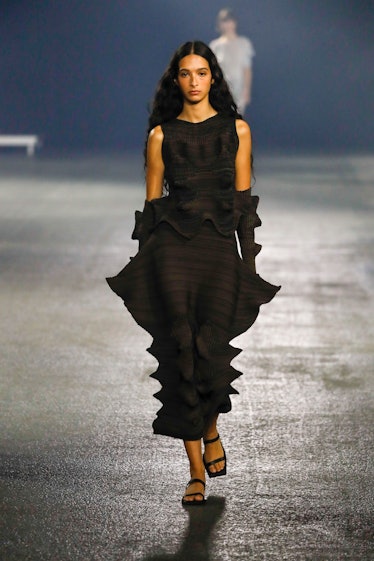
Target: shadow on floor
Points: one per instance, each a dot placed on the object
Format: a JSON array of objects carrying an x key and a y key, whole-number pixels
[{"x": 197, "y": 541}]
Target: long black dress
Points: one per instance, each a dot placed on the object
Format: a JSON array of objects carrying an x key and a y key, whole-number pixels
[{"x": 187, "y": 285}]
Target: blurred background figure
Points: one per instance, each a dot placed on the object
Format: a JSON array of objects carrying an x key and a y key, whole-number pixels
[{"x": 234, "y": 53}]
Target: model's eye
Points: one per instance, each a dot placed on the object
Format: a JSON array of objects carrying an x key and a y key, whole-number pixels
[
  {"x": 183, "y": 74},
  {"x": 202, "y": 73}
]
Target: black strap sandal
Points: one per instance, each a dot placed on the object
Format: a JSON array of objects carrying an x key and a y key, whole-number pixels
[
  {"x": 194, "y": 502},
  {"x": 213, "y": 462}
]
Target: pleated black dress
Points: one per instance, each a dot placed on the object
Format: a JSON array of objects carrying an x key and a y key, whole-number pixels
[{"x": 187, "y": 285}]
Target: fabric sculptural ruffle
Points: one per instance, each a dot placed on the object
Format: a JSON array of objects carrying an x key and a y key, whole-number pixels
[
  {"x": 187, "y": 285},
  {"x": 245, "y": 216},
  {"x": 248, "y": 221}
]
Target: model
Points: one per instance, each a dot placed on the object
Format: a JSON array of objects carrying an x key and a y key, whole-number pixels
[
  {"x": 187, "y": 285},
  {"x": 234, "y": 54}
]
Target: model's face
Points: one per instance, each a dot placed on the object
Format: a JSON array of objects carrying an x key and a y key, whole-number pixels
[
  {"x": 194, "y": 78},
  {"x": 227, "y": 26}
]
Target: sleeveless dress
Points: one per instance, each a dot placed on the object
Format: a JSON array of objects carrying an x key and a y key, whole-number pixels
[{"x": 188, "y": 286}]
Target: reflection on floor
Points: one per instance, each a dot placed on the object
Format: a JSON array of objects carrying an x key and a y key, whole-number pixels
[{"x": 82, "y": 475}]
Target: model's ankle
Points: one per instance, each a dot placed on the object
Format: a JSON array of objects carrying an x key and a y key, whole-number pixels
[
  {"x": 197, "y": 470},
  {"x": 211, "y": 433}
]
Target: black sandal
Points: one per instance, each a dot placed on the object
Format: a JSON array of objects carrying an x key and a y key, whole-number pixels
[
  {"x": 195, "y": 502},
  {"x": 223, "y": 459}
]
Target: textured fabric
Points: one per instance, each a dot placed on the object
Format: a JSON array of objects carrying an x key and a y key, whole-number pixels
[
  {"x": 248, "y": 221},
  {"x": 187, "y": 285},
  {"x": 144, "y": 223}
]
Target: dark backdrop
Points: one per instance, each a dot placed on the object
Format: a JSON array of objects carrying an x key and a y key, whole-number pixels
[{"x": 81, "y": 72}]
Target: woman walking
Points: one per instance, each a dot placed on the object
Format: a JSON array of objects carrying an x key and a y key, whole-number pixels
[{"x": 187, "y": 285}]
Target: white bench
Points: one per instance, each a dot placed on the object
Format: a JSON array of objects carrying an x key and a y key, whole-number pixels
[{"x": 29, "y": 141}]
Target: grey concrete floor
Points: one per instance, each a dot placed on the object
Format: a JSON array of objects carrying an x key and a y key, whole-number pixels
[{"x": 82, "y": 476}]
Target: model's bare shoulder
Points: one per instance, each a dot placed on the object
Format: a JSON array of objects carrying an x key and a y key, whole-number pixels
[
  {"x": 156, "y": 135},
  {"x": 243, "y": 160},
  {"x": 242, "y": 129}
]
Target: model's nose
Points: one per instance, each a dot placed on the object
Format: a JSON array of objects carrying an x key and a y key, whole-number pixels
[{"x": 193, "y": 80}]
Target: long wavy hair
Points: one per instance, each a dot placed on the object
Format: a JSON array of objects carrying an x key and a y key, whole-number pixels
[{"x": 168, "y": 100}]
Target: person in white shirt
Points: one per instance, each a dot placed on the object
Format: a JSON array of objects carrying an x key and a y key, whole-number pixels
[{"x": 234, "y": 54}]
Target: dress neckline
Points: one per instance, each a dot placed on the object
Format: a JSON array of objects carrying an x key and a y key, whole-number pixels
[{"x": 198, "y": 122}]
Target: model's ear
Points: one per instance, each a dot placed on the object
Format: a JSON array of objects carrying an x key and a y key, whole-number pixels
[{"x": 212, "y": 82}]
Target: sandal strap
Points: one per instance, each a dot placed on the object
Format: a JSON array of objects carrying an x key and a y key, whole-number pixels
[
  {"x": 207, "y": 464},
  {"x": 195, "y": 481},
  {"x": 212, "y": 440},
  {"x": 194, "y": 494}
]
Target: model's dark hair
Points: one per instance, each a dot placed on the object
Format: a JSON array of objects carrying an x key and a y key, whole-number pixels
[
  {"x": 224, "y": 15},
  {"x": 168, "y": 100}
]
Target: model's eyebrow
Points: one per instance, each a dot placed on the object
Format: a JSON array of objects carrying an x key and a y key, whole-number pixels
[{"x": 189, "y": 69}]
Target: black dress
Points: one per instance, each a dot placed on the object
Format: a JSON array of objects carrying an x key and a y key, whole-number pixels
[{"x": 187, "y": 285}]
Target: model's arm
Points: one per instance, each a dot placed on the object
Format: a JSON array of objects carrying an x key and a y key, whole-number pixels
[
  {"x": 249, "y": 219},
  {"x": 243, "y": 157},
  {"x": 155, "y": 164},
  {"x": 247, "y": 84}
]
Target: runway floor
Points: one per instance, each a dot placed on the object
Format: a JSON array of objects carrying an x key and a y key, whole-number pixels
[{"x": 82, "y": 476}]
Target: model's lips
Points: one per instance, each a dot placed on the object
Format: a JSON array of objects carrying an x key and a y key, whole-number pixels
[{"x": 194, "y": 92}]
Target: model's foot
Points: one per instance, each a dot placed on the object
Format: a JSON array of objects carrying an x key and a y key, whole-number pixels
[
  {"x": 213, "y": 451},
  {"x": 195, "y": 491}
]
